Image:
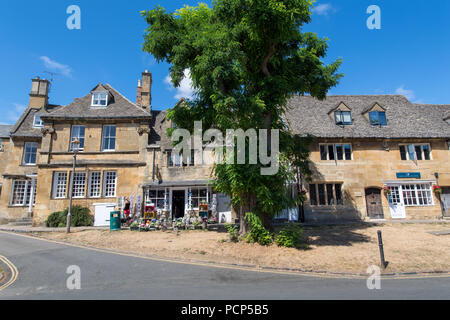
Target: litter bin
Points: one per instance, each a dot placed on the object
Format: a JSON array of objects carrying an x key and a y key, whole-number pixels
[{"x": 114, "y": 220}]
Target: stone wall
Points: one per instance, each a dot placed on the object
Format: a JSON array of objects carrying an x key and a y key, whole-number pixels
[
  {"x": 13, "y": 168},
  {"x": 371, "y": 165}
]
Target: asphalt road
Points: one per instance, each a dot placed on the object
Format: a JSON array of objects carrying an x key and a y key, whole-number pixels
[{"x": 42, "y": 274}]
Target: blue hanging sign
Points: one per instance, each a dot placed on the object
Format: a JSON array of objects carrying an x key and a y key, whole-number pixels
[{"x": 403, "y": 175}]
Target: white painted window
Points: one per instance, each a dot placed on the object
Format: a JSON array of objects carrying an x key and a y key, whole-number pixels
[
  {"x": 155, "y": 197},
  {"x": 77, "y": 133},
  {"x": 395, "y": 195},
  {"x": 110, "y": 183},
  {"x": 99, "y": 99},
  {"x": 109, "y": 138},
  {"x": 415, "y": 151},
  {"x": 59, "y": 185},
  {"x": 336, "y": 151},
  {"x": 199, "y": 195},
  {"x": 79, "y": 185},
  {"x": 95, "y": 179},
  {"x": 417, "y": 194},
  {"x": 29, "y": 153},
  {"x": 21, "y": 193},
  {"x": 37, "y": 122}
]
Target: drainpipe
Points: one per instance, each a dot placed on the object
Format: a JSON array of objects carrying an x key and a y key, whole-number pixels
[{"x": 153, "y": 167}]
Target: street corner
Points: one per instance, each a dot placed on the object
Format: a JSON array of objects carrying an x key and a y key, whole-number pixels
[{"x": 8, "y": 273}]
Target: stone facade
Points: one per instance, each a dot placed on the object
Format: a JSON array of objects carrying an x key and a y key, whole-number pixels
[
  {"x": 375, "y": 164},
  {"x": 138, "y": 161}
]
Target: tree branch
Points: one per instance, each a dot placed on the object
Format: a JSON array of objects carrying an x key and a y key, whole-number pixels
[{"x": 269, "y": 55}]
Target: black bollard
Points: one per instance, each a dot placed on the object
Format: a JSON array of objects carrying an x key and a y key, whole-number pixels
[{"x": 380, "y": 244}]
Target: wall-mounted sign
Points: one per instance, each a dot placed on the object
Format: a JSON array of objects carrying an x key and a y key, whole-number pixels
[{"x": 403, "y": 175}]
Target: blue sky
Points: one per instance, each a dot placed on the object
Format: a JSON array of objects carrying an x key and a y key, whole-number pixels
[{"x": 410, "y": 54}]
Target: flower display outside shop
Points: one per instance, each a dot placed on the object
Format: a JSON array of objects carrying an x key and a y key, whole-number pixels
[
  {"x": 437, "y": 189},
  {"x": 387, "y": 190}
]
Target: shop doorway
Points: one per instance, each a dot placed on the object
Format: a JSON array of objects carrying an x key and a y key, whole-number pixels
[
  {"x": 445, "y": 198},
  {"x": 178, "y": 203},
  {"x": 373, "y": 203}
]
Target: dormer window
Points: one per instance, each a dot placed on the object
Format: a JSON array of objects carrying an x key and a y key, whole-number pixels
[
  {"x": 38, "y": 123},
  {"x": 343, "y": 117},
  {"x": 99, "y": 99},
  {"x": 377, "y": 118}
]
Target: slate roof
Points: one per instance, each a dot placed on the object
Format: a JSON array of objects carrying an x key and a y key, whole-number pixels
[
  {"x": 307, "y": 115},
  {"x": 24, "y": 127},
  {"x": 5, "y": 130},
  {"x": 118, "y": 107}
]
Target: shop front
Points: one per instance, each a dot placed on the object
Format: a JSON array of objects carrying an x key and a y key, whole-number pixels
[
  {"x": 407, "y": 197},
  {"x": 179, "y": 199}
]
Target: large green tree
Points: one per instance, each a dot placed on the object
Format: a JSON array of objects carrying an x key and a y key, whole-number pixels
[{"x": 246, "y": 59}]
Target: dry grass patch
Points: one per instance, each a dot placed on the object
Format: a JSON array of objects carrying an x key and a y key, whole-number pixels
[{"x": 408, "y": 247}]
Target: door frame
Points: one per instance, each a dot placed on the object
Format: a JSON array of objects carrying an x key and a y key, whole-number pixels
[{"x": 381, "y": 202}]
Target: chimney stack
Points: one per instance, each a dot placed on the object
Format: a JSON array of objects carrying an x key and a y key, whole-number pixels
[
  {"x": 145, "y": 91},
  {"x": 39, "y": 93},
  {"x": 139, "y": 93}
]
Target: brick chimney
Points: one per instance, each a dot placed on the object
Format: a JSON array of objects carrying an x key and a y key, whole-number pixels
[
  {"x": 39, "y": 93},
  {"x": 139, "y": 93},
  {"x": 145, "y": 91}
]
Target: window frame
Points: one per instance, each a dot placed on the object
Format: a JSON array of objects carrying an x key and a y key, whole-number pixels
[
  {"x": 75, "y": 184},
  {"x": 378, "y": 123},
  {"x": 105, "y": 184},
  {"x": 56, "y": 179},
  {"x": 108, "y": 137},
  {"x": 82, "y": 139},
  {"x": 99, "y": 105},
  {"x": 335, "y": 154},
  {"x": 27, "y": 186},
  {"x": 409, "y": 195},
  {"x": 198, "y": 197},
  {"x": 40, "y": 124},
  {"x": 341, "y": 114},
  {"x": 314, "y": 189},
  {"x": 422, "y": 152},
  {"x": 158, "y": 198},
  {"x": 90, "y": 184},
  {"x": 25, "y": 153}
]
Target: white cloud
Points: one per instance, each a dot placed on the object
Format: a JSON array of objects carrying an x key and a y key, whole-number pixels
[
  {"x": 15, "y": 112},
  {"x": 409, "y": 94},
  {"x": 56, "y": 66},
  {"x": 185, "y": 89},
  {"x": 323, "y": 9}
]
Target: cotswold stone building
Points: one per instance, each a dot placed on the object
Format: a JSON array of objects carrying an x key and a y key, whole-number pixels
[
  {"x": 368, "y": 143},
  {"x": 364, "y": 144}
]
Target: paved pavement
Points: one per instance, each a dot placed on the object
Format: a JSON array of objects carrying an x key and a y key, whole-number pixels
[{"x": 42, "y": 274}]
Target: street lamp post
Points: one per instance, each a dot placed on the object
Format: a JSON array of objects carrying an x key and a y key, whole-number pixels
[{"x": 75, "y": 145}]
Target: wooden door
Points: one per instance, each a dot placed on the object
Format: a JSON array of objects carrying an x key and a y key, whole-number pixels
[{"x": 373, "y": 203}]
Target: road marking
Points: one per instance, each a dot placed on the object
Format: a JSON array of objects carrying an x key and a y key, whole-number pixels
[
  {"x": 14, "y": 272},
  {"x": 242, "y": 268}
]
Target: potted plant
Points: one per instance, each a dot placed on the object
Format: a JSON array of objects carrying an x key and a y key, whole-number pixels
[
  {"x": 437, "y": 189},
  {"x": 387, "y": 190}
]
